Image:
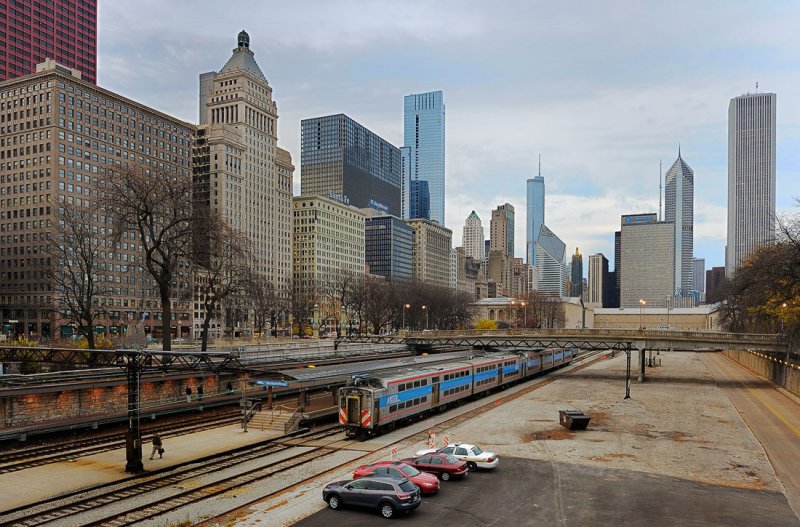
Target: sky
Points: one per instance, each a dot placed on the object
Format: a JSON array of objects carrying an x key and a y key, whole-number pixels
[{"x": 604, "y": 91}]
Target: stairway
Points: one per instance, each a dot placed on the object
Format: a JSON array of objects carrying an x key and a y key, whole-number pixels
[{"x": 272, "y": 421}]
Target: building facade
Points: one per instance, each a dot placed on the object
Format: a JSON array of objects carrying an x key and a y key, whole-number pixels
[
  {"x": 61, "y": 141},
  {"x": 240, "y": 171},
  {"x": 714, "y": 278},
  {"x": 535, "y": 217},
  {"x": 473, "y": 240},
  {"x": 751, "y": 176},
  {"x": 424, "y": 135},
  {"x": 33, "y": 31},
  {"x": 648, "y": 258},
  {"x": 576, "y": 274},
  {"x": 328, "y": 243},
  {"x": 679, "y": 209},
  {"x": 551, "y": 267},
  {"x": 501, "y": 230},
  {"x": 699, "y": 275},
  {"x": 387, "y": 247},
  {"x": 343, "y": 160},
  {"x": 598, "y": 280},
  {"x": 431, "y": 258}
]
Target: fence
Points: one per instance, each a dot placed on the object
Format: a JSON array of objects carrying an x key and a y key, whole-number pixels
[{"x": 780, "y": 370}]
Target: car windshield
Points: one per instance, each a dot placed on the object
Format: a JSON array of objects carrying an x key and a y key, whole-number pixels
[
  {"x": 451, "y": 459},
  {"x": 477, "y": 451},
  {"x": 409, "y": 471},
  {"x": 408, "y": 486}
]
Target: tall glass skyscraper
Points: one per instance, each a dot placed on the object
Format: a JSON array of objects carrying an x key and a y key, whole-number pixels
[
  {"x": 535, "y": 217},
  {"x": 751, "y": 176},
  {"x": 423, "y": 136},
  {"x": 679, "y": 209}
]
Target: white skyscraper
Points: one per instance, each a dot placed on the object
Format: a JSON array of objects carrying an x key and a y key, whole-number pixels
[
  {"x": 679, "y": 209},
  {"x": 473, "y": 240},
  {"x": 751, "y": 176},
  {"x": 551, "y": 266}
]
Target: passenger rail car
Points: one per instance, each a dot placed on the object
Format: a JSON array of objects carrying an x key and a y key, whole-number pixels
[{"x": 370, "y": 404}]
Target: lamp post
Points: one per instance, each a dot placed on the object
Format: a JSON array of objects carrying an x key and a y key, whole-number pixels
[
  {"x": 405, "y": 306},
  {"x": 425, "y": 309},
  {"x": 783, "y": 316},
  {"x": 313, "y": 319},
  {"x": 524, "y": 315},
  {"x": 641, "y": 312}
]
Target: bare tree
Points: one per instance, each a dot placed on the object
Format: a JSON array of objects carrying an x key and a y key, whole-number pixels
[
  {"x": 220, "y": 258},
  {"x": 378, "y": 302},
  {"x": 304, "y": 302},
  {"x": 75, "y": 250},
  {"x": 157, "y": 205}
]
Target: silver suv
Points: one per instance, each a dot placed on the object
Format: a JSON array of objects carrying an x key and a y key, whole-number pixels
[{"x": 388, "y": 495}]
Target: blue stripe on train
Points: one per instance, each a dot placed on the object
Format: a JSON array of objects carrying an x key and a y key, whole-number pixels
[
  {"x": 453, "y": 383},
  {"x": 485, "y": 375},
  {"x": 404, "y": 396}
]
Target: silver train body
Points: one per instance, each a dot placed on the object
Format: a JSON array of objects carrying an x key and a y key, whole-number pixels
[{"x": 370, "y": 404}]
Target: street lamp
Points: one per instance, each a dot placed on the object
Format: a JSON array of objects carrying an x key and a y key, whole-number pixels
[
  {"x": 425, "y": 309},
  {"x": 641, "y": 312},
  {"x": 524, "y": 315},
  {"x": 783, "y": 316},
  {"x": 313, "y": 318},
  {"x": 405, "y": 306}
]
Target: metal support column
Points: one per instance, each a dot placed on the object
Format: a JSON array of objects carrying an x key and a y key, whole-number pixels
[
  {"x": 133, "y": 438},
  {"x": 628, "y": 374}
]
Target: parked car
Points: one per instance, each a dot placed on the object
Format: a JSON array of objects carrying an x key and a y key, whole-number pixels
[
  {"x": 473, "y": 455},
  {"x": 427, "y": 483},
  {"x": 386, "y": 494},
  {"x": 444, "y": 466}
]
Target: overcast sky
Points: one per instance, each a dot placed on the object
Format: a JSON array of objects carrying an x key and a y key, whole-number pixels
[{"x": 602, "y": 90}]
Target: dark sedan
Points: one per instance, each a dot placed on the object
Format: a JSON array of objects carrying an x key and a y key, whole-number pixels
[
  {"x": 443, "y": 465},
  {"x": 388, "y": 495}
]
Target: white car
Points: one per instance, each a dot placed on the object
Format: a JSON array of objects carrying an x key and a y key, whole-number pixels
[{"x": 473, "y": 455}]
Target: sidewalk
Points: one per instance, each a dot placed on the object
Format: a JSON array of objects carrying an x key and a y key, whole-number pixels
[{"x": 24, "y": 487}]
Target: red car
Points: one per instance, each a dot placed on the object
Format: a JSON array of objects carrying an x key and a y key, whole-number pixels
[
  {"x": 443, "y": 465},
  {"x": 427, "y": 483}
]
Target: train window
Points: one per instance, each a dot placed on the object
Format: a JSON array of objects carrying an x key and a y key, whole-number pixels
[
  {"x": 435, "y": 380},
  {"x": 416, "y": 384},
  {"x": 424, "y": 399},
  {"x": 416, "y": 401},
  {"x": 401, "y": 387},
  {"x": 424, "y": 382},
  {"x": 393, "y": 408}
]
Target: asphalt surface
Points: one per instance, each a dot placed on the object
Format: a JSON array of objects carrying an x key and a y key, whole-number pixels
[{"x": 522, "y": 492}]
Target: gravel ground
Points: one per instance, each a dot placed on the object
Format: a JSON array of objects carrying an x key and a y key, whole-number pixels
[{"x": 677, "y": 424}]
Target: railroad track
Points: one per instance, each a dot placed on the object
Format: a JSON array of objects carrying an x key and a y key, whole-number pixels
[
  {"x": 14, "y": 460},
  {"x": 145, "y": 497}
]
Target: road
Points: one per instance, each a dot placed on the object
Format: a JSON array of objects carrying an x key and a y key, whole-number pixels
[{"x": 773, "y": 417}]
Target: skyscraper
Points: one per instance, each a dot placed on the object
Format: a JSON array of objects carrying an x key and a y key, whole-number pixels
[
  {"x": 473, "y": 240},
  {"x": 551, "y": 267},
  {"x": 679, "y": 209},
  {"x": 423, "y": 135},
  {"x": 343, "y": 160},
  {"x": 33, "y": 31},
  {"x": 751, "y": 176},
  {"x": 535, "y": 217},
  {"x": 648, "y": 262},
  {"x": 700, "y": 275},
  {"x": 387, "y": 246},
  {"x": 245, "y": 176},
  {"x": 576, "y": 274},
  {"x": 599, "y": 286},
  {"x": 501, "y": 229}
]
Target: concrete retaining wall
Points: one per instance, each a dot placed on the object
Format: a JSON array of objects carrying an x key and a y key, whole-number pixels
[{"x": 781, "y": 372}]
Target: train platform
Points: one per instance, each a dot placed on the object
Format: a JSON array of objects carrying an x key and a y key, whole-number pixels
[{"x": 20, "y": 488}]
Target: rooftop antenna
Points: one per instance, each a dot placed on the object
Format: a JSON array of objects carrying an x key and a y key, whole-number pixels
[
  {"x": 756, "y": 86},
  {"x": 540, "y": 165},
  {"x": 659, "y": 190}
]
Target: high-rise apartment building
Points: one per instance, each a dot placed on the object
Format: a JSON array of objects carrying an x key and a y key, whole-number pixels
[
  {"x": 62, "y": 139},
  {"x": 648, "y": 263},
  {"x": 328, "y": 243},
  {"x": 751, "y": 176},
  {"x": 32, "y": 31},
  {"x": 240, "y": 171},
  {"x": 535, "y": 216},
  {"x": 473, "y": 240},
  {"x": 343, "y": 160},
  {"x": 501, "y": 230},
  {"x": 576, "y": 274},
  {"x": 551, "y": 266},
  {"x": 679, "y": 209},
  {"x": 431, "y": 256},
  {"x": 387, "y": 246},
  {"x": 423, "y": 136}
]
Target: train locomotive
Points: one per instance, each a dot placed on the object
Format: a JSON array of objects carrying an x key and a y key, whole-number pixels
[{"x": 373, "y": 403}]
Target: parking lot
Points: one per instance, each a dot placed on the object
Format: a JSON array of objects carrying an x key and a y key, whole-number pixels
[{"x": 532, "y": 492}]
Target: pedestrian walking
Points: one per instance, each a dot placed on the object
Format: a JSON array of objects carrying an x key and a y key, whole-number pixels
[
  {"x": 188, "y": 394},
  {"x": 200, "y": 392},
  {"x": 157, "y": 446}
]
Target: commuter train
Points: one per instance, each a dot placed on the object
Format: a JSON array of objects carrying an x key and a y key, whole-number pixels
[{"x": 372, "y": 403}]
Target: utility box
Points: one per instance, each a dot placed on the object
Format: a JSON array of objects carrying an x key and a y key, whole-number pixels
[{"x": 573, "y": 419}]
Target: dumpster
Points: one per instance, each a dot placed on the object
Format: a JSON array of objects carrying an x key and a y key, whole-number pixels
[{"x": 573, "y": 419}]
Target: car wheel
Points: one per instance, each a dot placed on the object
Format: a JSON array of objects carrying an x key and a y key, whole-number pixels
[
  {"x": 387, "y": 510},
  {"x": 472, "y": 466},
  {"x": 335, "y": 502},
  {"x": 445, "y": 476}
]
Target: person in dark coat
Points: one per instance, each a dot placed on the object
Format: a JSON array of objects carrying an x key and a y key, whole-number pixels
[
  {"x": 188, "y": 394},
  {"x": 157, "y": 446},
  {"x": 200, "y": 393}
]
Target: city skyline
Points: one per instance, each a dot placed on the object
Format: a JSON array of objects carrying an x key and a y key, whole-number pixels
[{"x": 601, "y": 115}]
